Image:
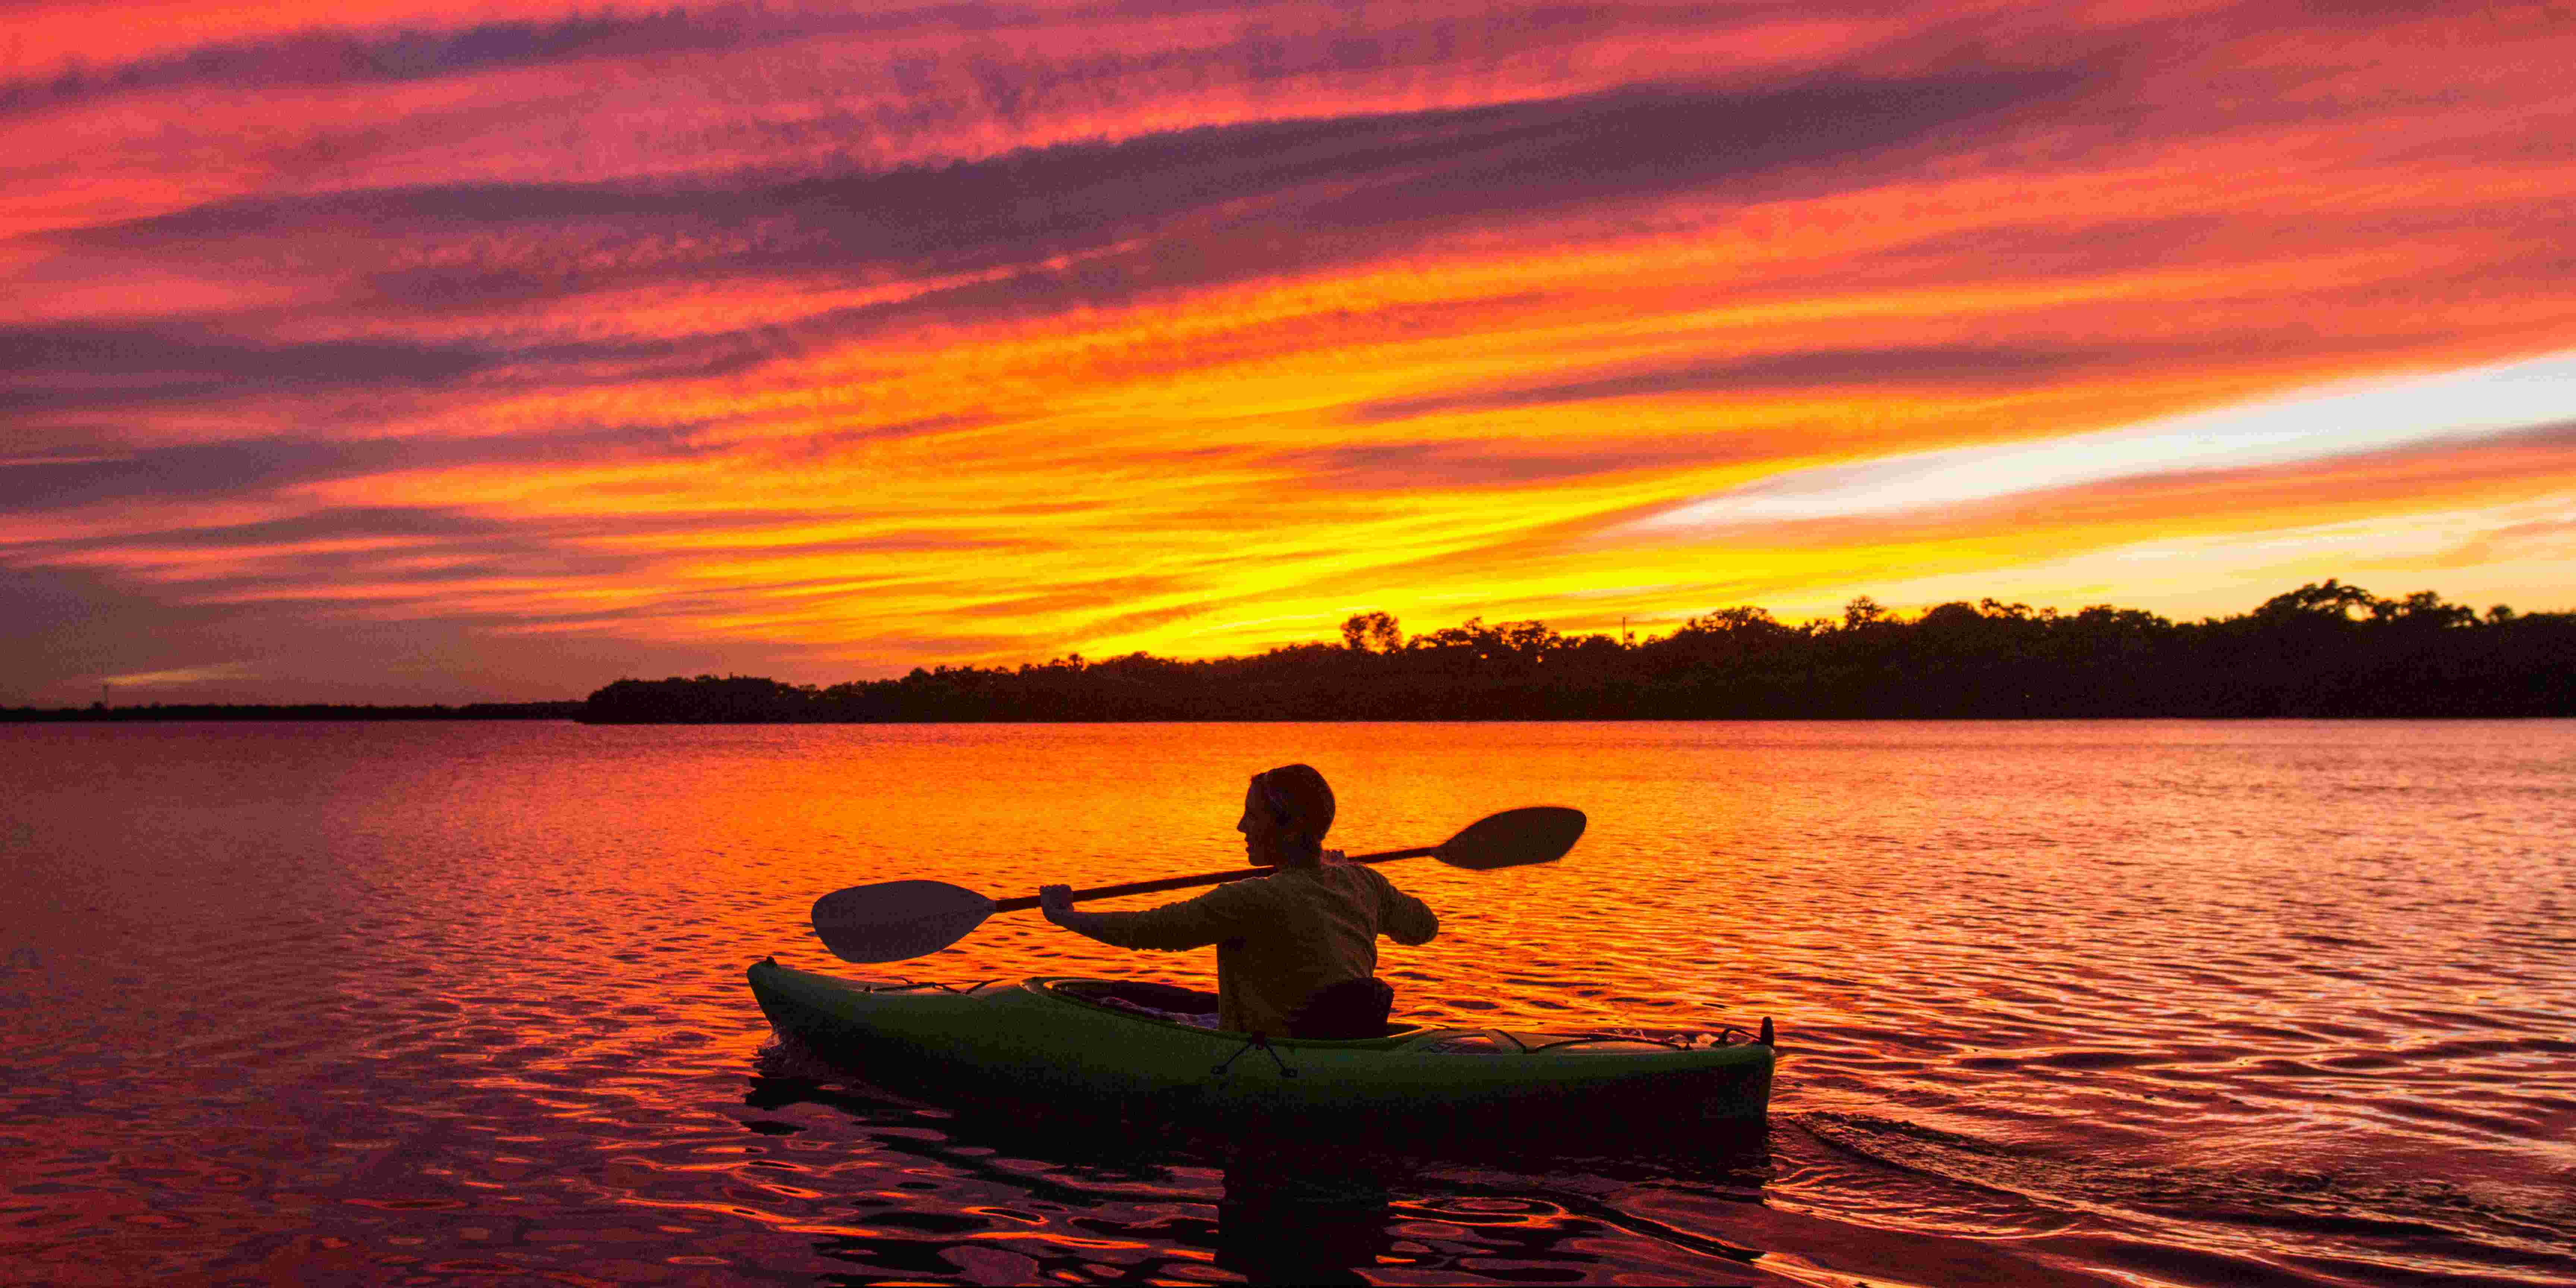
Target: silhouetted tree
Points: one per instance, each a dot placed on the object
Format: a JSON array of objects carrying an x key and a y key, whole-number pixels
[{"x": 1372, "y": 633}]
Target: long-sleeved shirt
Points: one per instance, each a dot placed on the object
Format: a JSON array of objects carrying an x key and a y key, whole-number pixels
[{"x": 1279, "y": 938}]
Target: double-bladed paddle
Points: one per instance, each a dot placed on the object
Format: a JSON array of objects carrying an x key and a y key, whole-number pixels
[{"x": 893, "y": 920}]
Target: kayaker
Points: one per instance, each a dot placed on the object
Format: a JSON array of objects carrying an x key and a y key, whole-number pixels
[{"x": 1296, "y": 951}]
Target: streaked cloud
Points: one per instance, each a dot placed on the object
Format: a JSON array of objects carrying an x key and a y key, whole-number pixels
[
  {"x": 1390, "y": 466},
  {"x": 2362, "y": 416},
  {"x": 182, "y": 676},
  {"x": 1966, "y": 366}
]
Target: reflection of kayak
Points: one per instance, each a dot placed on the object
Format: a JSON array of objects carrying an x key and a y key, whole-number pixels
[{"x": 1112, "y": 1044}]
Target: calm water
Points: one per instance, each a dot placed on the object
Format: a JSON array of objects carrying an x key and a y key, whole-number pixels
[{"x": 2138, "y": 1003}]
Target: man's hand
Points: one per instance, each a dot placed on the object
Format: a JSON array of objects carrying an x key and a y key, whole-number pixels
[{"x": 1056, "y": 901}]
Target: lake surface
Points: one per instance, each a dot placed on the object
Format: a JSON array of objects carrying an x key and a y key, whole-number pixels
[{"x": 2156, "y": 1002}]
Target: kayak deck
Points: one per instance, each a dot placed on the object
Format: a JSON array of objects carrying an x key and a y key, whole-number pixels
[{"x": 1061, "y": 1039}]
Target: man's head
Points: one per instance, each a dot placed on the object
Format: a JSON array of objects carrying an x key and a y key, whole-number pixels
[{"x": 1286, "y": 812}]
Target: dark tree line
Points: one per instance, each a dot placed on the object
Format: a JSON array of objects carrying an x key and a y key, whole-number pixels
[{"x": 2323, "y": 650}]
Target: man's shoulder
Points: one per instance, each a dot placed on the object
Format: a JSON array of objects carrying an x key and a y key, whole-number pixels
[
  {"x": 1360, "y": 874},
  {"x": 1288, "y": 880},
  {"x": 1258, "y": 889}
]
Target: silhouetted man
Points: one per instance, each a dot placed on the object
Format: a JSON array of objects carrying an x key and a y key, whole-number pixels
[{"x": 1296, "y": 951}]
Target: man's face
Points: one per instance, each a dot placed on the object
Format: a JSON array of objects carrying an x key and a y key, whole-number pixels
[{"x": 1260, "y": 830}]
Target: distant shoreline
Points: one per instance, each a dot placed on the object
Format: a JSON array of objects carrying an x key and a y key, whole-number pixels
[
  {"x": 331, "y": 714},
  {"x": 296, "y": 711}
]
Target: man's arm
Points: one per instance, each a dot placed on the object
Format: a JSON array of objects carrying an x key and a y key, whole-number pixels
[
  {"x": 1192, "y": 923},
  {"x": 1403, "y": 918},
  {"x": 1055, "y": 903}
]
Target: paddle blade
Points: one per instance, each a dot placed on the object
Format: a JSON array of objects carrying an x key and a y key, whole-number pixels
[
  {"x": 894, "y": 920},
  {"x": 1538, "y": 834}
]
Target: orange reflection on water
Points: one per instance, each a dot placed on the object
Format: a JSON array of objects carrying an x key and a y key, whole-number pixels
[{"x": 402, "y": 982}]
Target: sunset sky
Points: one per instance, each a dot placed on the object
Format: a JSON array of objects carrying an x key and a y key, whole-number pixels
[{"x": 441, "y": 352}]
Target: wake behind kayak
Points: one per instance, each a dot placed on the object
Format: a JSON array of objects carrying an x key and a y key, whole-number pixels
[{"x": 1098, "y": 1042}]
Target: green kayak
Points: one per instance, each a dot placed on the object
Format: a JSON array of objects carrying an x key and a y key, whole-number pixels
[{"x": 1114, "y": 1045}]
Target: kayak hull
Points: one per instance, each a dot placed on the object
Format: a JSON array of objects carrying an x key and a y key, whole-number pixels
[{"x": 1044, "y": 1040}]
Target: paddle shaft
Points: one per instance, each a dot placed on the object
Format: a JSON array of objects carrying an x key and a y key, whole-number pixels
[{"x": 1028, "y": 901}]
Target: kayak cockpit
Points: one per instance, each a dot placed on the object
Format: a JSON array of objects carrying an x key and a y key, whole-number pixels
[
  {"x": 1169, "y": 1002},
  {"x": 1186, "y": 1008}
]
